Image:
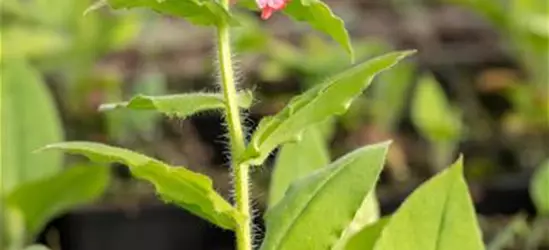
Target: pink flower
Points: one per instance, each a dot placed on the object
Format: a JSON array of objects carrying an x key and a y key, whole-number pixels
[{"x": 269, "y": 6}]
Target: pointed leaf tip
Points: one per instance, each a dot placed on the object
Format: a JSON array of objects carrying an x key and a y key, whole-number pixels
[
  {"x": 442, "y": 210},
  {"x": 316, "y": 105},
  {"x": 319, "y": 15}
]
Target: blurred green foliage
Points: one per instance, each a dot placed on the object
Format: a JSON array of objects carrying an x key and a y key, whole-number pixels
[
  {"x": 437, "y": 120},
  {"x": 525, "y": 27},
  {"x": 63, "y": 44},
  {"x": 539, "y": 189},
  {"x": 29, "y": 119},
  {"x": 48, "y": 38},
  {"x": 34, "y": 186}
]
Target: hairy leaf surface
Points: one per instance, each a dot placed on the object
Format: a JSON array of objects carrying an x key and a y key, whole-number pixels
[
  {"x": 314, "y": 106},
  {"x": 192, "y": 191},
  {"x": 180, "y": 105}
]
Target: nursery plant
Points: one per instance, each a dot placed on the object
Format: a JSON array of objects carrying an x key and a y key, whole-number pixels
[
  {"x": 35, "y": 187},
  {"x": 314, "y": 204}
]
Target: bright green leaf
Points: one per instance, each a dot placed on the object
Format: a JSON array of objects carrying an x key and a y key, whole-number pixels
[
  {"x": 320, "y": 17},
  {"x": 432, "y": 114},
  {"x": 439, "y": 215},
  {"x": 316, "y": 105},
  {"x": 318, "y": 209},
  {"x": 367, "y": 214},
  {"x": 297, "y": 160},
  {"x": 200, "y": 12},
  {"x": 29, "y": 121},
  {"x": 42, "y": 199},
  {"x": 180, "y": 105},
  {"x": 539, "y": 189},
  {"x": 192, "y": 191},
  {"x": 367, "y": 237}
]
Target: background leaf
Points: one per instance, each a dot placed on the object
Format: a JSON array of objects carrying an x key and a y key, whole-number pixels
[
  {"x": 325, "y": 202},
  {"x": 180, "y": 105},
  {"x": 42, "y": 199},
  {"x": 200, "y": 12},
  {"x": 43, "y": 42},
  {"x": 29, "y": 121},
  {"x": 320, "y": 17},
  {"x": 432, "y": 114},
  {"x": 439, "y": 215},
  {"x": 390, "y": 96},
  {"x": 126, "y": 125},
  {"x": 297, "y": 160},
  {"x": 539, "y": 189},
  {"x": 314, "y": 106},
  {"x": 13, "y": 225},
  {"x": 192, "y": 191}
]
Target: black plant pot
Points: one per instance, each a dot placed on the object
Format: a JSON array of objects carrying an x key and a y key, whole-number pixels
[
  {"x": 505, "y": 195},
  {"x": 165, "y": 227},
  {"x": 152, "y": 227}
]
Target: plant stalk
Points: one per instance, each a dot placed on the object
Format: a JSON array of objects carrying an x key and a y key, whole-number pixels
[{"x": 236, "y": 136}]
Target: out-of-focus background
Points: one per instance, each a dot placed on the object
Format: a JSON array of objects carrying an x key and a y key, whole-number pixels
[{"x": 478, "y": 86}]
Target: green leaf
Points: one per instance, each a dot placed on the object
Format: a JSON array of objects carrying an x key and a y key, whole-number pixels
[
  {"x": 13, "y": 225},
  {"x": 318, "y": 209},
  {"x": 297, "y": 160},
  {"x": 42, "y": 199},
  {"x": 30, "y": 42},
  {"x": 192, "y": 191},
  {"x": 316, "y": 105},
  {"x": 320, "y": 17},
  {"x": 180, "y": 105},
  {"x": 367, "y": 214},
  {"x": 200, "y": 12},
  {"x": 29, "y": 121},
  {"x": 439, "y": 215},
  {"x": 432, "y": 114},
  {"x": 367, "y": 237},
  {"x": 539, "y": 189}
]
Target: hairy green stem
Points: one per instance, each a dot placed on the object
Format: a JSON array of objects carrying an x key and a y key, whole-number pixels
[{"x": 236, "y": 136}]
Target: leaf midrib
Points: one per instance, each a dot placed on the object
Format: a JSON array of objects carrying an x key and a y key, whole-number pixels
[
  {"x": 443, "y": 214},
  {"x": 312, "y": 197}
]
